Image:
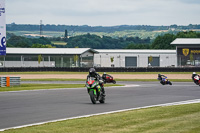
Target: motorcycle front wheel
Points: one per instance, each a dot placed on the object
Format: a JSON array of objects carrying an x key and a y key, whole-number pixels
[
  {"x": 92, "y": 97},
  {"x": 102, "y": 100}
]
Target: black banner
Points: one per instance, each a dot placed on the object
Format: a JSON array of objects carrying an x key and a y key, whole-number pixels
[{"x": 188, "y": 51}]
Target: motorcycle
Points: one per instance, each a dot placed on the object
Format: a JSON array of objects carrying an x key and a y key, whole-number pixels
[
  {"x": 196, "y": 79},
  {"x": 94, "y": 90},
  {"x": 164, "y": 81},
  {"x": 108, "y": 79}
]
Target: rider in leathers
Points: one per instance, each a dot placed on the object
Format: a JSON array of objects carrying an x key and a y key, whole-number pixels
[
  {"x": 193, "y": 75},
  {"x": 160, "y": 77},
  {"x": 93, "y": 73}
]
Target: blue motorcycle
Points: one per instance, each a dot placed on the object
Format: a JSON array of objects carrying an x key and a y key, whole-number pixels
[{"x": 164, "y": 80}]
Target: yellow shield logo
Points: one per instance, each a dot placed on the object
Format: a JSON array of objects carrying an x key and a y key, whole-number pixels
[{"x": 185, "y": 51}]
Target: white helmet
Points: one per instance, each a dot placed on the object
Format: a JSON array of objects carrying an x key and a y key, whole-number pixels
[{"x": 194, "y": 72}]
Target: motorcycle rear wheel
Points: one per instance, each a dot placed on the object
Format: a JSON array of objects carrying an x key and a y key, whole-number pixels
[{"x": 92, "y": 97}]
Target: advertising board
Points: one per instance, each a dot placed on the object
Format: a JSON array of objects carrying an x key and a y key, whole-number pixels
[{"x": 2, "y": 28}]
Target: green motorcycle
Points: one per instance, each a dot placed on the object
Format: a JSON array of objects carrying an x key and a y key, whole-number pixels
[{"x": 94, "y": 90}]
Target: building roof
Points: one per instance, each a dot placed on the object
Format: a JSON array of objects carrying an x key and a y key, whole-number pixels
[
  {"x": 136, "y": 51},
  {"x": 48, "y": 50},
  {"x": 187, "y": 41}
]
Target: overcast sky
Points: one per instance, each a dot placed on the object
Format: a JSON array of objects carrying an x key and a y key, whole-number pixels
[{"x": 103, "y": 12}]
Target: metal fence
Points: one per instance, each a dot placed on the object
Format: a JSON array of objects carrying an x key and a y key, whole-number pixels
[{"x": 10, "y": 81}]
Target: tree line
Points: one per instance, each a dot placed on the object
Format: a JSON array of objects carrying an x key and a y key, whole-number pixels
[
  {"x": 23, "y": 42},
  {"x": 86, "y": 28},
  {"x": 97, "y": 42}
]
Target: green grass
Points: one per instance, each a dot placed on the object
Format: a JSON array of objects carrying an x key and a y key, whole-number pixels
[
  {"x": 46, "y": 86},
  {"x": 59, "y": 42},
  {"x": 48, "y": 72},
  {"x": 126, "y": 33},
  {"x": 53, "y": 79},
  {"x": 48, "y": 33},
  {"x": 168, "y": 119},
  {"x": 116, "y": 34}
]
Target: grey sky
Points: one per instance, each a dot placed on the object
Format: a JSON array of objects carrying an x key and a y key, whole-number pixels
[{"x": 103, "y": 12}]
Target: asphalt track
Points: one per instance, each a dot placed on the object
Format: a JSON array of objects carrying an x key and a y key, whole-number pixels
[{"x": 28, "y": 107}]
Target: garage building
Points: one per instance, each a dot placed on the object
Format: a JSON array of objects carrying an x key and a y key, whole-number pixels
[{"x": 134, "y": 58}]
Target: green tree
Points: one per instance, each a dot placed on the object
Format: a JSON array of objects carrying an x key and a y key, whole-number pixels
[
  {"x": 163, "y": 42},
  {"x": 42, "y": 46}
]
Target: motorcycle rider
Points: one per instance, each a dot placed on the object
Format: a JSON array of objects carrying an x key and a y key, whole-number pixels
[
  {"x": 193, "y": 75},
  {"x": 160, "y": 77},
  {"x": 93, "y": 73},
  {"x": 104, "y": 77}
]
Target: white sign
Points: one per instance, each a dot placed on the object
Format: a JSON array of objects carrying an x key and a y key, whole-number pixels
[{"x": 2, "y": 28}]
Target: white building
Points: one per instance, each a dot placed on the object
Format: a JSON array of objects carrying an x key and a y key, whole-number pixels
[
  {"x": 48, "y": 57},
  {"x": 134, "y": 58},
  {"x": 86, "y": 57}
]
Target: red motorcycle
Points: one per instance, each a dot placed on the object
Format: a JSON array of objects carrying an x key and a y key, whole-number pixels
[
  {"x": 108, "y": 79},
  {"x": 196, "y": 80}
]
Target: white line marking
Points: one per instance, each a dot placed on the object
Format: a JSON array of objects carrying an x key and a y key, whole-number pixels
[
  {"x": 62, "y": 89},
  {"x": 110, "y": 112},
  {"x": 123, "y": 86}
]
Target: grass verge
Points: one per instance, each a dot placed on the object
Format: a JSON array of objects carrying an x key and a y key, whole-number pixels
[
  {"x": 168, "y": 119},
  {"x": 59, "y": 42},
  {"x": 46, "y": 86},
  {"x": 53, "y": 79}
]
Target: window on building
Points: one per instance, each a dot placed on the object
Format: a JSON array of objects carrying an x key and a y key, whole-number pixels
[
  {"x": 12, "y": 58},
  {"x": 130, "y": 61},
  {"x": 153, "y": 61}
]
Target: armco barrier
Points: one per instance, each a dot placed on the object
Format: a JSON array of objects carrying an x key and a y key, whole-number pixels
[
  {"x": 102, "y": 69},
  {"x": 3, "y": 81},
  {"x": 10, "y": 81}
]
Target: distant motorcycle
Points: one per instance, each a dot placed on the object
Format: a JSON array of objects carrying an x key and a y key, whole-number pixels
[
  {"x": 94, "y": 90},
  {"x": 108, "y": 79},
  {"x": 196, "y": 78},
  {"x": 164, "y": 81}
]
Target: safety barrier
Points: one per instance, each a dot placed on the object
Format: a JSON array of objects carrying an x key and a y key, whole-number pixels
[{"x": 10, "y": 81}]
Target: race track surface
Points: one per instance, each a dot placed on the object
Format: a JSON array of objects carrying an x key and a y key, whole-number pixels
[{"x": 28, "y": 107}]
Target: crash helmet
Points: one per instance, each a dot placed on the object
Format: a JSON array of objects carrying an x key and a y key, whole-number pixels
[
  {"x": 92, "y": 72},
  {"x": 159, "y": 75},
  {"x": 194, "y": 72}
]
